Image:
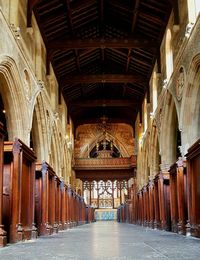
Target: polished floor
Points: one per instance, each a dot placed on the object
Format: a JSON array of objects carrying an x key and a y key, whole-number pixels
[{"x": 106, "y": 240}]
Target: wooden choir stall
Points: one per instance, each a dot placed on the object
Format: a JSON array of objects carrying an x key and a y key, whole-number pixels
[
  {"x": 193, "y": 197},
  {"x": 151, "y": 204},
  {"x": 57, "y": 206},
  {"x": 46, "y": 198},
  {"x": 170, "y": 201},
  {"x": 33, "y": 199},
  {"x": 18, "y": 191},
  {"x": 178, "y": 197}
]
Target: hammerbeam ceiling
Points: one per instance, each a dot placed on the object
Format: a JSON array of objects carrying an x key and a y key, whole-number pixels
[{"x": 102, "y": 52}]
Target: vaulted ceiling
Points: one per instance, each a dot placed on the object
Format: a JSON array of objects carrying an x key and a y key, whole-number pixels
[{"x": 102, "y": 52}]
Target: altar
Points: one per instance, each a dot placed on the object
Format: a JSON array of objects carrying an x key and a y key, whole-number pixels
[{"x": 105, "y": 214}]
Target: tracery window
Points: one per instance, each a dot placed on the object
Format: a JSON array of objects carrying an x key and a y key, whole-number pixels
[{"x": 105, "y": 194}]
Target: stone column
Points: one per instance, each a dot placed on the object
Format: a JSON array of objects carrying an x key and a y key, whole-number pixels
[
  {"x": 181, "y": 193},
  {"x": 3, "y": 234}
]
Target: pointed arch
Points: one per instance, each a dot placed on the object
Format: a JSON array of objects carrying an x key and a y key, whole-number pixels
[
  {"x": 12, "y": 95},
  {"x": 190, "y": 114},
  {"x": 154, "y": 148},
  {"x": 40, "y": 129},
  {"x": 168, "y": 135},
  {"x": 119, "y": 145}
]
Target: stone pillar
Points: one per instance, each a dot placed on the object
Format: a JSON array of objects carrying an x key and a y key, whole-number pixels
[
  {"x": 181, "y": 193},
  {"x": 3, "y": 234},
  {"x": 173, "y": 198},
  {"x": 164, "y": 201},
  {"x": 157, "y": 222},
  {"x": 151, "y": 204}
]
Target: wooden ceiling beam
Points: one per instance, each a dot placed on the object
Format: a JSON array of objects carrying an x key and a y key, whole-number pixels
[
  {"x": 175, "y": 7},
  {"x": 88, "y": 120},
  {"x": 136, "y": 92},
  {"x": 118, "y": 6},
  {"x": 128, "y": 60},
  {"x": 149, "y": 19},
  {"x": 30, "y": 6},
  {"x": 69, "y": 16},
  {"x": 102, "y": 31},
  {"x": 154, "y": 8},
  {"x": 102, "y": 78},
  {"x": 140, "y": 43},
  {"x": 135, "y": 14},
  {"x": 102, "y": 25},
  {"x": 77, "y": 61},
  {"x": 104, "y": 103}
]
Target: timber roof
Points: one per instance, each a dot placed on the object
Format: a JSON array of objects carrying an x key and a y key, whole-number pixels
[{"x": 102, "y": 52}]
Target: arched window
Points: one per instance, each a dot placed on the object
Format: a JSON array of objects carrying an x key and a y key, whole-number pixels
[
  {"x": 169, "y": 55},
  {"x": 193, "y": 10}
]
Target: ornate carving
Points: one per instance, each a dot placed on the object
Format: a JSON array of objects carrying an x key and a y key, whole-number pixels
[
  {"x": 44, "y": 167},
  {"x": 40, "y": 84},
  {"x": 180, "y": 84},
  {"x": 96, "y": 163},
  {"x": 158, "y": 120},
  {"x": 16, "y": 31},
  {"x": 16, "y": 146}
]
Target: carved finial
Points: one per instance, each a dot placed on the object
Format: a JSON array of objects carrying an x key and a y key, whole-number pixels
[
  {"x": 44, "y": 167},
  {"x": 16, "y": 146},
  {"x": 40, "y": 84}
]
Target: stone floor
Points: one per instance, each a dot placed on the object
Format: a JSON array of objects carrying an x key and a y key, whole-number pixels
[{"x": 106, "y": 240}]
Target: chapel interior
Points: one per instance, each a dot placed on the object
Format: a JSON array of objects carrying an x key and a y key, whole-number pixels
[{"x": 99, "y": 115}]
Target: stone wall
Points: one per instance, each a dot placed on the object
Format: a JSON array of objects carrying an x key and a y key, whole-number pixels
[
  {"x": 178, "y": 105},
  {"x": 30, "y": 96}
]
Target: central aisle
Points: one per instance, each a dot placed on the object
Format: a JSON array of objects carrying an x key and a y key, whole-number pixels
[{"x": 106, "y": 240}]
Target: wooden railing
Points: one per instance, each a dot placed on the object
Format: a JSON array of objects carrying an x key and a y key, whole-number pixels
[{"x": 105, "y": 163}]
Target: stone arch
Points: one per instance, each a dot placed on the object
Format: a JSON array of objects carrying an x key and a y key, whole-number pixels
[
  {"x": 190, "y": 109},
  {"x": 64, "y": 167},
  {"x": 52, "y": 154},
  {"x": 58, "y": 148},
  {"x": 55, "y": 151},
  {"x": 12, "y": 94},
  {"x": 154, "y": 148},
  {"x": 68, "y": 173},
  {"x": 40, "y": 129},
  {"x": 145, "y": 158},
  {"x": 168, "y": 133}
]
